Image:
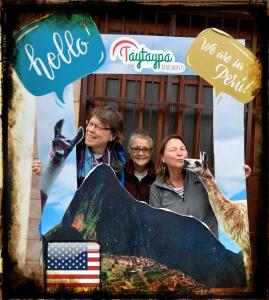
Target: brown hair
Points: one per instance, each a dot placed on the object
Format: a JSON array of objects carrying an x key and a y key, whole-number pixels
[
  {"x": 162, "y": 171},
  {"x": 111, "y": 118}
]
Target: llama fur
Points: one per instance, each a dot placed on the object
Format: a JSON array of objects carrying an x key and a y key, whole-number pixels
[
  {"x": 232, "y": 216},
  {"x": 61, "y": 147}
]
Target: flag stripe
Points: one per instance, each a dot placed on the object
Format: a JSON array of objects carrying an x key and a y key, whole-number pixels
[
  {"x": 70, "y": 281},
  {"x": 74, "y": 284},
  {"x": 75, "y": 289},
  {"x": 80, "y": 272},
  {"x": 94, "y": 268},
  {"x": 93, "y": 251},
  {"x": 93, "y": 246},
  {"x": 94, "y": 255},
  {"x": 72, "y": 276},
  {"x": 96, "y": 259},
  {"x": 93, "y": 263}
]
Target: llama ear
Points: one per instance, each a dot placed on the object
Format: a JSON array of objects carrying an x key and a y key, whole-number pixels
[
  {"x": 201, "y": 155},
  {"x": 205, "y": 164}
]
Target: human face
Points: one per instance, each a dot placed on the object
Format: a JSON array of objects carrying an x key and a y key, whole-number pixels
[
  {"x": 140, "y": 153},
  {"x": 174, "y": 154},
  {"x": 98, "y": 135}
]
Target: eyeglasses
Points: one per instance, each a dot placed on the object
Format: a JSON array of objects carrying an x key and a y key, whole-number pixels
[
  {"x": 98, "y": 127},
  {"x": 136, "y": 150}
]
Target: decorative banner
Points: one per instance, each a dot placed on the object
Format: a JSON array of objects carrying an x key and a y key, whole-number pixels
[
  {"x": 145, "y": 54},
  {"x": 230, "y": 67},
  {"x": 55, "y": 51}
]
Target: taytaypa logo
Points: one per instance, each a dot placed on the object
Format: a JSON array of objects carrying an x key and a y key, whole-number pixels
[{"x": 130, "y": 52}]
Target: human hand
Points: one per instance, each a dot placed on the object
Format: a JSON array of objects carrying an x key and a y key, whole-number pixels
[
  {"x": 247, "y": 171},
  {"x": 36, "y": 166}
]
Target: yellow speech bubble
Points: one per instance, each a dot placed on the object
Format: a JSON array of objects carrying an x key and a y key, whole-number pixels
[{"x": 226, "y": 64}]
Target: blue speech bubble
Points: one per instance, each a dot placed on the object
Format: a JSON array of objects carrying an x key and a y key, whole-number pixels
[{"x": 55, "y": 51}]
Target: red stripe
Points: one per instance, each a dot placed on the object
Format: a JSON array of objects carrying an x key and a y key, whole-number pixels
[
  {"x": 93, "y": 267},
  {"x": 71, "y": 276},
  {"x": 93, "y": 251},
  {"x": 74, "y": 284},
  {"x": 94, "y": 259}
]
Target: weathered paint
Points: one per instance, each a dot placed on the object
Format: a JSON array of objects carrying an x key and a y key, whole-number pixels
[{"x": 21, "y": 125}]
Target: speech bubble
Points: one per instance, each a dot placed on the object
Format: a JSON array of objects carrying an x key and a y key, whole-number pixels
[
  {"x": 52, "y": 52},
  {"x": 226, "y": 64}
]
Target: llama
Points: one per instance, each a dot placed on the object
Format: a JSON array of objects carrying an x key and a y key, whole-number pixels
[
  {"x": 232, "y": 216},
  {"x": 61, "y": 147}
]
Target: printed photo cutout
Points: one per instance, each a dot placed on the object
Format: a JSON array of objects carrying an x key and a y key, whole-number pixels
[
  {"x": 143, "y": 244},
  {"x": 77, "y": 223},
  {"x": 146, "y": 244}
]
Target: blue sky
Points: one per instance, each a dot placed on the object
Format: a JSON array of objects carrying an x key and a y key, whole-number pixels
[
  {"x": 229, "y": 145},
  {"x": 48, "y": 113},
  {"x": 229, "y": 152}
]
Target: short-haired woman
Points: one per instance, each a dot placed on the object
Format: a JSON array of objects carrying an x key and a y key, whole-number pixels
[
  {"x": 139, "y": 170},
  {"x": 104, "y": 132}
]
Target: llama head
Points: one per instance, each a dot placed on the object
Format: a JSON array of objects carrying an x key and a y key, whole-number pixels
[
  {"x": 62, "y": 146},
  {"x": 197, "y": 165}
]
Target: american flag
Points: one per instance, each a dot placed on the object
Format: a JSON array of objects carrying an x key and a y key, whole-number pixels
[{"x": 72, "y": 266}]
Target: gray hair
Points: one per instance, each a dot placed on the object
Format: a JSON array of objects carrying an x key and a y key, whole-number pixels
[{"x": 140, "y": 133}]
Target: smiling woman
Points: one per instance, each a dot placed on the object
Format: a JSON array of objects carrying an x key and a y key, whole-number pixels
[
  {"x": 104, "y": 132},
  {"x": 139, "y": 170},
  {"x": 101, "y": 145},
  {"x": 103, "y": 136}
]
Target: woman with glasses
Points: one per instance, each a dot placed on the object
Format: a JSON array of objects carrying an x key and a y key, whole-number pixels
[
  {"x": 178, "y": 189},
  {"x": 139, "y": 170},
  {"x": 103, "y": 135}
]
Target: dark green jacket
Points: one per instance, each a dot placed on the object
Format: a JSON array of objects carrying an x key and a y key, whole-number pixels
[{"x": 195, "y": 202}]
